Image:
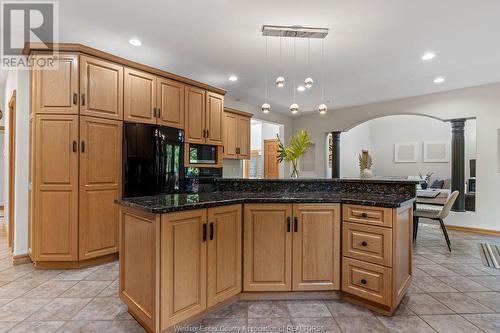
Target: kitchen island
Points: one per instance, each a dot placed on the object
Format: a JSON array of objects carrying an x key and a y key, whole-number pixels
[{"x": 185, "y": 255}]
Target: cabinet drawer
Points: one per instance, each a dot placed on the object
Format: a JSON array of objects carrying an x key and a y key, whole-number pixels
[
  {"x": 368, "y": 243},
  {"x": 368, "y": 281},
  {"x": 367, "y": 215}
]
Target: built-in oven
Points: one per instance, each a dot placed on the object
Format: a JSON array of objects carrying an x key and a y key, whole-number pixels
[
  {"x": 199, "y": 180},
  {"x": 202, "y": 154}
]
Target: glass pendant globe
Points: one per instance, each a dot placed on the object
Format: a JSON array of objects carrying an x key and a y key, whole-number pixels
[
  {"x": 280, "y": 81},
  {"x": 294, "y": 108},
  {"x": 322, "y": 108},
  {"x": 308, "y": 83},
  {"x": 266, "y": 108}
]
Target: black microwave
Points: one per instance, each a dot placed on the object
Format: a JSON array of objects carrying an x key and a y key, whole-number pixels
[{"x": 202, "y": 154}]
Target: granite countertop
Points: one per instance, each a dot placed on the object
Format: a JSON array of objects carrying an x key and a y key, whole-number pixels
[
  {"x": 178, "y": 202},
  {"x": 377, "y": 180}
]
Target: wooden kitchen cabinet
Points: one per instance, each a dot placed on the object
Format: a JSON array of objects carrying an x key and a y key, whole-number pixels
[
  {"x": 267, "y": 251},
  {"x": 281, "y": 236},
  {"x": 377, "y": 255},
  {"x": 100, "y": 186},
  {"x": 213, "y": 118},
  {"x": 101, "y": 88},
  {"x": 316, "y": 247},
  {"x": 194, "y": 115},
  {"x": 55, "y": 187},
  {"x": 170, "y": 102},
  {"x": 140, "y": 97},
  {"x": 224, "y": 253},
  {"x": 236, "y": 134},
  {"x": 203, "y": 116},
  {"x": 55, "y": 91},
  {"x": 183, "y": 265}
]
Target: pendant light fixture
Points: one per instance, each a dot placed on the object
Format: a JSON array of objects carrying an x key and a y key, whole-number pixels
[
  {"x": 308, "y": 82},
  {"x": 280, "y": 80},
  {"x": 294, "y": 108},
  {"x": 265, "y": 107},
  {"x": 322, "y": 108}
]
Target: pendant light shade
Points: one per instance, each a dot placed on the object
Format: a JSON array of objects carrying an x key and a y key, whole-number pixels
[
  {"x": 280, "y": 82},
  {"x": 266, "y": 108},
  {"x": 308, "y": 83},
  {"x": 322, "y": 108},
  {"x": 294, "y": 108}
]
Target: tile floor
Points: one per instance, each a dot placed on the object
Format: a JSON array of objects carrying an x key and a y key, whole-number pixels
[{"x": 451, "y": 292}]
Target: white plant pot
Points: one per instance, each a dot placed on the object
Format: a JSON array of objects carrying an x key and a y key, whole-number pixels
[{"x": 366, "y": 173}]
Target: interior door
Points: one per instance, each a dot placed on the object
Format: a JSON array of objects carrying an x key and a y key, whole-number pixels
[
  {"x": 271, "y": 165},
  {"x": 316, "y": 247},
  {"x": 267, "y": 252},
  {"x": 140, "y": 97},
  {"x": 224, "y": 253},
  {"x": 184, "y": 265},
  {"x": 101, "y": 88},
  {"x": 100, "y": 186},
  {"x": 170, "y": 102},
  {"x": 213, "y": 118},
  {"x": 243, "y": 137},
  {"x": 194, "y": 115},
  {"x": 230, "y": 135},
  {"x": 56, "y": 188},
  {"x": 56, "y": 90}
]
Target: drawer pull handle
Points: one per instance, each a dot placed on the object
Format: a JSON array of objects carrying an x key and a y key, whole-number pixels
[
  {"x": 288, "y": 225},
  {"x": 364, "y": 243},
  {"x": 363, "y": 281},
  {"x": 364, "y": 215}
]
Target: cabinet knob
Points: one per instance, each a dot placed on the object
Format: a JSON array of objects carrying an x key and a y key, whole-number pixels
[
  {"x": 364, "y": 215},
  {"x": 364, "y": 243},
  {"x": 363, "y": 281}
]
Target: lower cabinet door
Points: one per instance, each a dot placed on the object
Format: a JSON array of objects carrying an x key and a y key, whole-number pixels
[
  {"x": 100, "y": 185},
  {"x": 183, "y": 265},
  {"x": 224, "y": 253},
  {"x": 316, "y": 247},
  {"x": 267, "y": 252}
]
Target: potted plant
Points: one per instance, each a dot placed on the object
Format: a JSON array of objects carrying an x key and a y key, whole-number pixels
[{"x": 299, "y": 143}]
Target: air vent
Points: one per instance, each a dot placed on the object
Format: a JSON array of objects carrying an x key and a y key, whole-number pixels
[{"x": 294, "y": 31}]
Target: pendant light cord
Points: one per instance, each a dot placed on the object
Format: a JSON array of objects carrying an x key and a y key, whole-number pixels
[
  {"x": 294, "y": 67},
  {"x": 266, "y": 69},
  {"x": 322, "y": 71}
]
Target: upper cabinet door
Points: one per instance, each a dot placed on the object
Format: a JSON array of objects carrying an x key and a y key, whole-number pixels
[
  {"x": 101, "y": 88},
  {"x": 316, "y": 247},
  {"x": 243, "y": 137},
  {"x": 140, "y": 97},
  {"x": 195, "y": 115},
  {"x": 100, "y": 185},
  {"x": 230, "y": 135},
  {"x": 170, "y": 102},
  {"x": 213, "y": 118},
  {"x": 56, "y": 90},
  {"x": 56, "y": 188}
]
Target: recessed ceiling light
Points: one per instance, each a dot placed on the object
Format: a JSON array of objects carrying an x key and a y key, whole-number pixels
[
  {"x": 233, "y": 78},
  {"x": 135, "y": 42},
  {"x": 428, "y": 56},
  {"x": 438, "y": 80},
  {"x": 301, "y": 88}
]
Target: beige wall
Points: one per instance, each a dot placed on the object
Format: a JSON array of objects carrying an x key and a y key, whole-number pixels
[{"x": 482, "y": 102}]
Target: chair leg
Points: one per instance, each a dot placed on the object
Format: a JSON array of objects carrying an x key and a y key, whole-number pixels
[{"x": 445, "y": 233}]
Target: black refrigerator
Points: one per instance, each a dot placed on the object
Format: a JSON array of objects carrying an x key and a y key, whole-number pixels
[{"x": 153, "y": 160}]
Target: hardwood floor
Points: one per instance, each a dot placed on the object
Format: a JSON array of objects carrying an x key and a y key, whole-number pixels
[{"x": 450, "y": 292}]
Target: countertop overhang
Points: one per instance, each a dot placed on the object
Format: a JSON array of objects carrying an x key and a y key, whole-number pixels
[{"x": 160, "y": 204}]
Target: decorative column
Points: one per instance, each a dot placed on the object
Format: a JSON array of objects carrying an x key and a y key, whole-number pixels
[
  {"x": 336, "y": 154},
  {"x": 458, "y": 163}
]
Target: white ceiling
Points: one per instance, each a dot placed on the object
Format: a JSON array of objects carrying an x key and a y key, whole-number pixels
[{"x": 372, "y": 53}]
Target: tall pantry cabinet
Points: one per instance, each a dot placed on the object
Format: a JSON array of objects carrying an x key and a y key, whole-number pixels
[{"x": 75, "y": 161}]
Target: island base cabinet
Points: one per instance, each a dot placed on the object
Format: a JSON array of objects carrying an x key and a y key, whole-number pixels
[
  {"x": 139, "y": 266},
  {"x": 291, "y": 247},
  {"x": 377, "y": 255}
]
